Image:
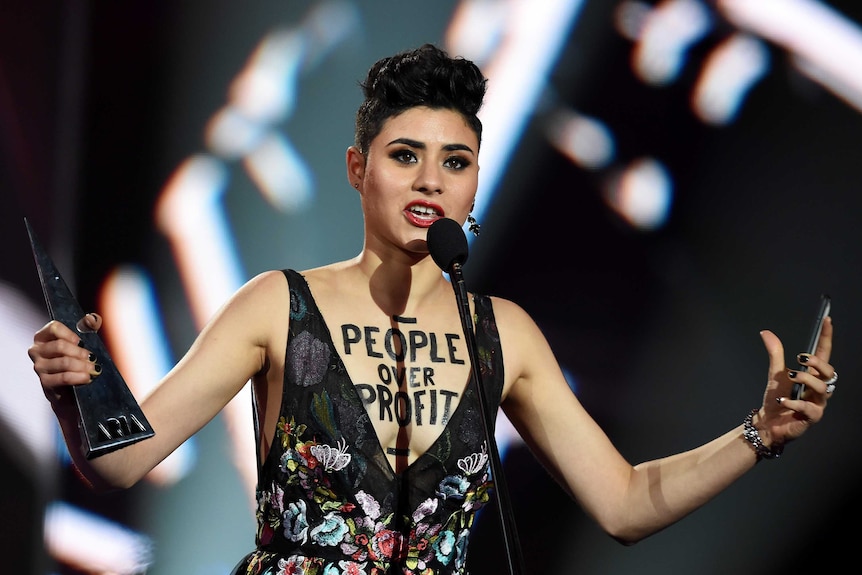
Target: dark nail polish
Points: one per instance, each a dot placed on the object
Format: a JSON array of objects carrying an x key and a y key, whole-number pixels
[
  {"x": 92, "y": 357},
  {"x": 803, "y": 357},
  {"x": 98, "y": 369},
  {"x": 792, "y": 374},
  {"x": 778, "y": 400}
]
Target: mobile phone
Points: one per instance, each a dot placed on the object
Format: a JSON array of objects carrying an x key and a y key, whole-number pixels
[{"x": 825, "y": 307}]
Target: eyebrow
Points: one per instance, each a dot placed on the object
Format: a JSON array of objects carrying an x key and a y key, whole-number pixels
[{"x": 422, "y": 146}]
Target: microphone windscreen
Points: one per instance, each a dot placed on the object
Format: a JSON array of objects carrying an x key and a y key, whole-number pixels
[{"x": 447, "y": 243}]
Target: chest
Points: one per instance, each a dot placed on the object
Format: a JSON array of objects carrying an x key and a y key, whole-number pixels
[{"x": 410, "y": 376}]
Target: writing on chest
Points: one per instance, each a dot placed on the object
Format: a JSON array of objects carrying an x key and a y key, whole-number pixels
[
  {"x": 399, "y": 344},
  {"x": 402, "y": 387}
]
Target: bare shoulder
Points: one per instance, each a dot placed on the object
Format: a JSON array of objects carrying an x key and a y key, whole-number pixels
[
  {"x": 262, "y": 290},
  {"x": 261, "y": 302},
  {"x": 511, "y": 317}
]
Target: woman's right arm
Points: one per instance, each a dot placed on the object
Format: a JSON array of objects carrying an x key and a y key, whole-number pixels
[{"x": 229, "y": 351}]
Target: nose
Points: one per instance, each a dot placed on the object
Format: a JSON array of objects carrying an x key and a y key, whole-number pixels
[{"x": 429, "y": 178}]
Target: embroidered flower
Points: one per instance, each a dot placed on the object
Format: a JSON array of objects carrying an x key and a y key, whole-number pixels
[
  {"x": 351, "y": 568},
  {"x": 312, "y": 360},
  {"x": 426, "y": 508},
  {"x": 331, "y": 531},
  {"x": 298, "y": 307},
  {"x": 369, "y": 505},
  {"x": 474, "y": 462},
  {"x": 443, "y": 547},
  {"x": 290, "y": 566},
  {"x": 453, "y": 486},
  {"x": 332, "y": 458},
  {"x": 296, "y": 522},
  {"x": 386, "y": 544}
]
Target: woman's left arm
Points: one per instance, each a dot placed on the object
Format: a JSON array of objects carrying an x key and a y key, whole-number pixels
[{"x": 633, "y": 502}]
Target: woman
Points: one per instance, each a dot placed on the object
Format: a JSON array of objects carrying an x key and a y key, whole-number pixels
[{"x": 372, "y": 455}]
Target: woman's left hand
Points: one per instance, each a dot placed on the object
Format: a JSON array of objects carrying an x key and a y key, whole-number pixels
[{"x": 782, "y": 419}]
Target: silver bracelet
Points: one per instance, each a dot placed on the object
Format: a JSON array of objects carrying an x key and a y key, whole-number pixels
[{"x": 753, "y": 437}]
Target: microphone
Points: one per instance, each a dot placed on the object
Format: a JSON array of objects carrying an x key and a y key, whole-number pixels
[{"x": 447, "y": 245}]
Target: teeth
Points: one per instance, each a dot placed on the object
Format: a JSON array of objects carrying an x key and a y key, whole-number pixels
[{"x": 423, "y": 210}]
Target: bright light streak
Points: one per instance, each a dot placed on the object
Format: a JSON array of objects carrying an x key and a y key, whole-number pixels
[
  {"x": 630, "y": 18},
  {"x": 642, "y": 194},
  {"x": 586, "y": 141},
  {"x": 827, "y": 46},
  {"x": 265, "y": 91},
  {"x": 93, "y": 543},
  {"x": 726, "y": 77},
  {"x": 524, "y": 38},
  {"x": 477, "y": 29},
  {"x": 26, "y": 416},
  {"x": 280, "y": 173},
  {"x": 667, "y": 33},
  {"x": 531, "y": 37},
  {"x": 138, "y": 344},
  {"x": 231, "y": 135},
  {"x": 325, "y": 26},
  {"x": 189, "y": 213}
]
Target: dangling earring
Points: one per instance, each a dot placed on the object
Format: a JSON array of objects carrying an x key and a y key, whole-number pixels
[{"x": 474, "y": 225}]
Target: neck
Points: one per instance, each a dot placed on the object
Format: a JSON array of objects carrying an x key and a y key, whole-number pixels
[{"x": 402, "y": 287}]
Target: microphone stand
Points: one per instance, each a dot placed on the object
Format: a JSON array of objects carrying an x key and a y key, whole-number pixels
[{"x": 507, "y": 524}]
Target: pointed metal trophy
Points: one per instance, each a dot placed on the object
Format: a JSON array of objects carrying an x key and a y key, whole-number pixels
[{"x": 109, "y": 415}]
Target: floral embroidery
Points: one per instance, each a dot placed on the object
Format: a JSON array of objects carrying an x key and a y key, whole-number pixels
[
  {"x": 333, "y": 459},
  {"x": 367, "y": 538},
  {"x": 326, "y": 505},
  {"x": 474, "y": 462},
  {"x": 314, "y": 355}
]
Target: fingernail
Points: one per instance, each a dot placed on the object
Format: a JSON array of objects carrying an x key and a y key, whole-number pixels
[
  {"x": 803, "y": 357},
  {"x": 91, "y": 357},
  {"x": 792, "y": 374},
  {"x": 98, "y": 368},
  {"x": 779, "y": 400}
]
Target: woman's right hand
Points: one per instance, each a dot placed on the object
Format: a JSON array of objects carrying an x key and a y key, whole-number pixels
[{"x": 60, "y": 361}]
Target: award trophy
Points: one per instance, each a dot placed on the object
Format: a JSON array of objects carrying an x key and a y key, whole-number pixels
[{"x": 109, "y": 415}]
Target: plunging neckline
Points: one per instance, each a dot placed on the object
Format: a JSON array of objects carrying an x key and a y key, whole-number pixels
[{"x": 367, "y": 424}]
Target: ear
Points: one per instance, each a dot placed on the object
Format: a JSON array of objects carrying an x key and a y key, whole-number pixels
[{"x": 355, "y": 161}]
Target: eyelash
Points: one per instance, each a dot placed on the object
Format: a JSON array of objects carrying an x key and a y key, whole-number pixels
[{"x": 408, "y": 157}]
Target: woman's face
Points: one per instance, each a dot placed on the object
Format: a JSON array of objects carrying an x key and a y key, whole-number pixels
[{"x": 423, "y": 165}]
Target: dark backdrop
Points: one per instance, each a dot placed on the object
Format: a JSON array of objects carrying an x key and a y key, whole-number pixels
[{"x": 101, "y": 101}]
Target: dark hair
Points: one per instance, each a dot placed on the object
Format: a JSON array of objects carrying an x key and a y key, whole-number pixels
[{"x": 426, "y": 76}]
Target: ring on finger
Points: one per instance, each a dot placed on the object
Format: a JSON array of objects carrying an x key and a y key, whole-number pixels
[{"x": 830, "y": 383}]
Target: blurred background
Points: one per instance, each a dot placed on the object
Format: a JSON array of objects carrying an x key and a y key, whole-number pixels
[{"x": 660, "y": 181}]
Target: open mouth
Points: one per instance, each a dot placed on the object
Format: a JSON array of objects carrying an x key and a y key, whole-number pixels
[{"x": 423, "y": 214}]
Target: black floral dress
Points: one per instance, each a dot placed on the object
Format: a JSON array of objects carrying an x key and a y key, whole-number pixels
[{"x": 329, "y": 502}]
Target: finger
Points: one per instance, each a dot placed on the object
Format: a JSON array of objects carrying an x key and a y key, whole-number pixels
[
  {"x": 54, "y": 330},
  {"x": 775, "y": 350},
  {"x": 62, "y": 362},
  {"x": 818, "y": 366},
  {"x": 66, "y": 370},
  {"x": 824, "y": 344},
  {"x": 809, "y": 380},
  {"x": 89, "y": 323}
]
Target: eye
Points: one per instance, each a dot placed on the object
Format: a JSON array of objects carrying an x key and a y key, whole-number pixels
[
  {"x": 456, "y": 162},
  {"x": 404, "y": 156}
]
